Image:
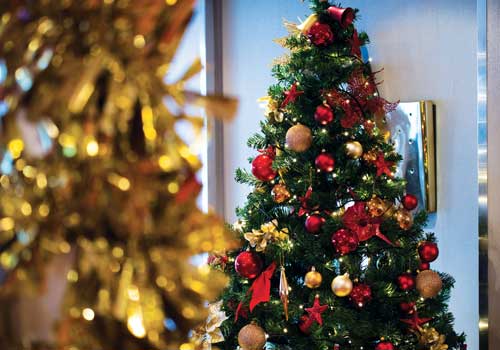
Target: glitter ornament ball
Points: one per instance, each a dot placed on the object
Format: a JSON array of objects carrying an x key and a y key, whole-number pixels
[
  {"x": 314, "y": 223},
  {"x": 404, "y": 219},
  {"x": 406, "y": 281},
  {"x": 361, "y": 294},
  {"x": 252, "y": 337},
  {"x": 313, "y": 279},
  {"x": 323, "y": 115},
  {"x": 248, "y": 264},
  {"x": 429, "y": 283},
  {"x": 262, "y": 168},
  {"x": 409, "y": 201},
  {"x": 354, "y": 149},
  {"x": 342, "y": 285},
  {"x": 385, "y": 345},
  {"x": 280, "y": 193},
  {"x": 424, "y": 266},
  {"x": 377, "y": 206},
  {"x": 428, "y": 251},
  {"x": 298, "y": 138},
  {"x": 345, "y": 241},
  {"x": 325, "y": 162}
]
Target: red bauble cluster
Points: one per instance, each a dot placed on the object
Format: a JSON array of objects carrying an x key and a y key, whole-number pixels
[
  {"x": 361, "y": 294},
  {"x": 345, "y": 241},
  {"x": 325, "y": 162},
  {"x": 409, "y": 201},
  {"x": 248, "y": 264},
  {"x": 314, "y": 223},
  {"x": 323, "y": 115},
  {"x": 385, "y": 345},
  {"x": 407, "y": 308},
  {"x": 262, "y": 167},
  {"x": 406, "y": 281},
  {"x": 428, "y": 251},
  {"x": 320, "y": 34}
]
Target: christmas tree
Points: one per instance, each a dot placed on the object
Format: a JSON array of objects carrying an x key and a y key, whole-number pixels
[{"x": 334, "y": 255}]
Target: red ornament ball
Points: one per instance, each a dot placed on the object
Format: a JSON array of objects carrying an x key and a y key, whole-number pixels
[
  {"x": 408, "y": 308},
  {"x": 428, "y": 251},
  {"x": 305, "y": 324},
  {"x": 385, "y": 345},
  {"x": 314, "y": 223},
  {"x": 345, "y": 241},
  {"x": 406, "y": 281},
  {"x": 325, "y": 162},
  {"x": 323, "y": 115},
  {"x": 361, "y": 294},
  {"x": 409, "y": 201},
  {"x": 320, "y": 34},
  {"x": 424, "y": 266},
  {"x": 262, "y": 168},
  {"x": 248, "y": 264}
]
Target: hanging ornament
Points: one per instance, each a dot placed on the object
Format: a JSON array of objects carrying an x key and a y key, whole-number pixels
[
  {"x": 345, "y": 241},
  {"x": 305, "y": 324},
  {"x": 298, "y": 138},
  {"x": 345, "y": 16},
  {"x": 316, "y": 310},
  {"x": 407, "y": 307},
  {"x": 280, "y": 193},
  {"x": 353, "y": 149},
  {"x": 284, "y": 291},
  {"x": 320, "y": 34},
  {"x": 325, "y": 162},
  {"x": 314, "y": 223},
  {"x": 429, "y": 283},
  {"x": 248, "y": 264},
  {"x": 291, "y": 95},
  {"x": 415, "y": 322},
  {"x": 409, "y": 201},
  {"x": 404, "y": 219},
  {"x": 323, "y": 115},
  {"x": 424, "y": 266},
  {"x": 385, "y": 345},
  {"x": 262, "y": 166},
  {"x": 377, "y": 206},
  {"x": 210, "y": 332},
  {"x": 361, "y": 294},
  {"x": 428, "y": 251},
  {"x": 313, "y": 279},
  {"x": 406, "y": 281},
  {"x": 252, "y": 337},
  {"x": 342, "y": 285}
]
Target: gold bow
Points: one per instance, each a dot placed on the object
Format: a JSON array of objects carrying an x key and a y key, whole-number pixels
[
  {"x": 431, "y": 338},
  {"x": 268, "y": 232},
  {"x": 271, "y": 109},
  {"x": 210, "y": 333}
]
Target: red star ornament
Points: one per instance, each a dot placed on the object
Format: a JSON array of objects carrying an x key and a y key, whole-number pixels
[
  {"x": 415, "y": 322},
  {"x": 291, "y": 95},
  {"x": 383, "y": 166},
  {"x": 316, "y": 310}
]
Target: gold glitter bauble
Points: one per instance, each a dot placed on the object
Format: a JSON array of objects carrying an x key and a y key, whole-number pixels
[
  {"x": 377, "y": 206},
  {"x": 342, "y": 285},
  {"x": 429, "y": 283},
  {"x": 251, "y": 337},
  {"x": 313, "y": 279},
  {"x": 404, "y": 218},
  {"x": 353, "y": 149},
  {"x": 280, "y": 193},
  {"x": 299, "y": 138}
]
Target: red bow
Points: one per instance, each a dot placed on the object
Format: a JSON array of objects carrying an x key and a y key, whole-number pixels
[
  {"x": 304, "y": 206},
  {"x": 260, "y": 289}
]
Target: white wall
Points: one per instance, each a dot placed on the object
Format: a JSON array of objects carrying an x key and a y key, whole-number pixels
[{"x": 428, "y": 51}]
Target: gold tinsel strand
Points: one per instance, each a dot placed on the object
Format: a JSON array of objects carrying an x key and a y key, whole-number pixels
[{"x": 93, "y": 169}]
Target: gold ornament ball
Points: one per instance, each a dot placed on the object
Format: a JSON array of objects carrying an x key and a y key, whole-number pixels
[
  {"x": 377, "y": 206},
  {"x": 299, "y": 138},
  {"x": 251, "y": 337},
  {"x": 280, "y": 193},
  {"x": 354, "y": 149},
  {"x": 313, "y": 279},
  {"x": 342, "y": 285},
  {"x": 404, "y": 218},
  {"x": 429, "y": 284}
]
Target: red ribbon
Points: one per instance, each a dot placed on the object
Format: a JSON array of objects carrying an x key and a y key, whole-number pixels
[{"x": 260, "y": 289}]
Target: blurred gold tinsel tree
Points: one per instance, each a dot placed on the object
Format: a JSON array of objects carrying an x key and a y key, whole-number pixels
[{"x": 93, "y": 169}]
